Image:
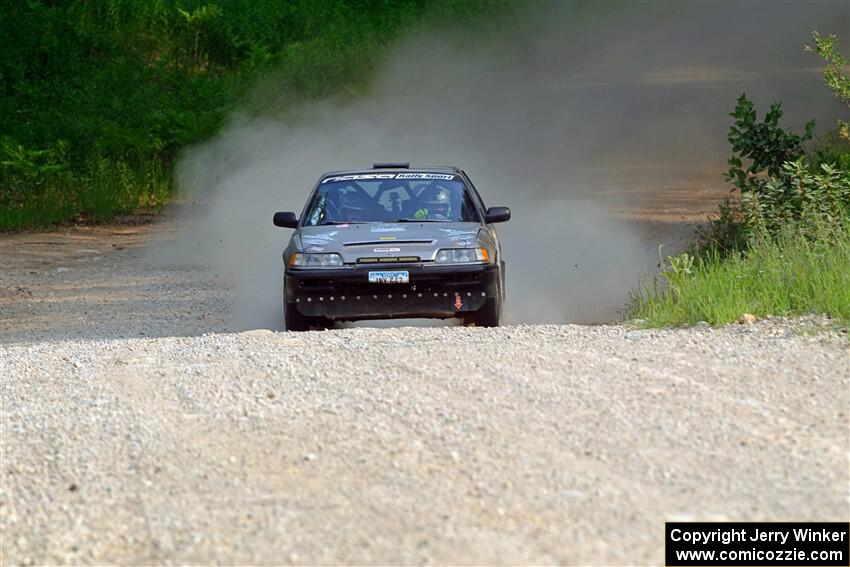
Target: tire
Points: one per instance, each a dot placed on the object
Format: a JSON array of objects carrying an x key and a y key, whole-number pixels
[
  {"x": 489, "y": 314},
  {"x": 294, "y": 320}
]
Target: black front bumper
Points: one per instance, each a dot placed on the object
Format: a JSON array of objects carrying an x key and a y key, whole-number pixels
[{"x": 433, "y": 291}]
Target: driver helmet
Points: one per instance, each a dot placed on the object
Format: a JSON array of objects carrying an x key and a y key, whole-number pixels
[
  {"x": 438, "y": 202},
  {"x": 354, "y": 208}
]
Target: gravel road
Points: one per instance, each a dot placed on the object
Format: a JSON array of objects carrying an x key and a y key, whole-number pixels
[{"x": 137, "y": 429}]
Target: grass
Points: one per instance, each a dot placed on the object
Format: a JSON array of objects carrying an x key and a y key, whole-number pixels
[
  {"x": 789, "y": 275},
  {"x": 102, "y": 190}
]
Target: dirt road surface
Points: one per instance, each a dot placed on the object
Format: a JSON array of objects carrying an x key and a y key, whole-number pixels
[{"x": 137, "y": 429}]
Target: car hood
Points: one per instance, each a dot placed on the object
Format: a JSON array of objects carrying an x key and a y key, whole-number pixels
[{"x": 382, "y": 240}]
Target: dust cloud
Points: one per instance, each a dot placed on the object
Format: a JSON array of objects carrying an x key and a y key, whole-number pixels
[{"x": 566, "y": 113}]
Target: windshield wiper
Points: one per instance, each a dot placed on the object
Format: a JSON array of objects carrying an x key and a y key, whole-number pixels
[
  {"x": 345, "y": 222},
  {"x": 422, "y": 220}
]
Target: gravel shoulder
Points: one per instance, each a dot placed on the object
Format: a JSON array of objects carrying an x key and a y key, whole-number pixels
[
  {"x": 100, "y": 282},
  {"x": 136, "y": 429}
]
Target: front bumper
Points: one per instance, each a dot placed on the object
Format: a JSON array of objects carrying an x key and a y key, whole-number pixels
[{"x": 433, "y": 291}]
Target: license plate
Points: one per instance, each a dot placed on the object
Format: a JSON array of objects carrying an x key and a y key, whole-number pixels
[{"x": 389, "y": 277}]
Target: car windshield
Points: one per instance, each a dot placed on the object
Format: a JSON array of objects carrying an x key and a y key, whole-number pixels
[{"x": 391, "y": 197}]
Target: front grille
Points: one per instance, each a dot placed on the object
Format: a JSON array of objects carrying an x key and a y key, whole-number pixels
[
  {"x": 420, "y": 283},
  {"x": 388, "y": 260},
  {"x": 388, "y": 242}
]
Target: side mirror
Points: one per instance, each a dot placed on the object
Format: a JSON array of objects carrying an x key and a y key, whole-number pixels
[
  {"x": 285, "y": 220},
  {"x": 497, "y": 214}
]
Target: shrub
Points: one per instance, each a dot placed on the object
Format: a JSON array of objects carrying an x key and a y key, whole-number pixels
[
  {"x": 781, "y": 184},
  {"x": 766, "y": 147},
  {"x": 765, "y": 144},
  {"x": 835, "y": 73},
  {"x": 799, "y": 196}
]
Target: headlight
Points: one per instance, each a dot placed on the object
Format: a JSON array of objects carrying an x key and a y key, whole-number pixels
[
  {"x": 462, "y": 255},
  {"x": 300, "y": 260}
]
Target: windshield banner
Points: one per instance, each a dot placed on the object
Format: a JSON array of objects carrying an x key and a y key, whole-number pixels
[{"x": 373, "y": 176}]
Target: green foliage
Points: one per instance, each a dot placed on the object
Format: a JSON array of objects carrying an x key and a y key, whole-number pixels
[
  {"x": 779, "y": 183},
  {"x": 791, "y": 274},
  {"x": 765, "y": 144},
  {"x": 129, "y": 83},
  {"x": 835, "y": 73},
  {"x": 833, "y": 150},
  {"x": 726, "y": 233},
  {"x": 800, "y": 197},
  {"x": 837, "y": 78}
]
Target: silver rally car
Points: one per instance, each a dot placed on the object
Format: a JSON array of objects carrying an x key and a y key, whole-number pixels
[{"x": 392, "y": 242}]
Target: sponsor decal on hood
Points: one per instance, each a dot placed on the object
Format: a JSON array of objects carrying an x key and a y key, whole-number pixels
[
  {"x": 457, "y": 233},
  {"x": 387, "y": 228}
]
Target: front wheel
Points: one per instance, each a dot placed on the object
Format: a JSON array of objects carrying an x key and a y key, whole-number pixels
[
  {"x": 295, "y": 321},
  {"x": 489, "y": 314}
]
